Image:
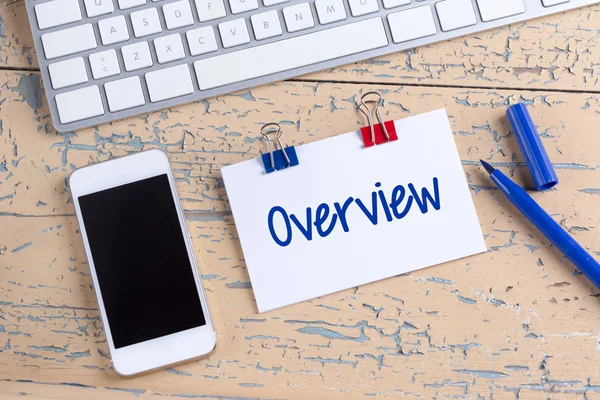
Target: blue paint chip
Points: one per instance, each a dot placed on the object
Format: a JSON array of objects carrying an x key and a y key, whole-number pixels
[
  {"x": 29, "y": 88},
  {"x": 239, "y": 285},
  {"x": 21, "y": 247},
  {"x": 330, "y": 334},
  {"x": 466, "y": 300},
  {"x": 53, "y": 349},
  {"x": 482, "y": 373}
]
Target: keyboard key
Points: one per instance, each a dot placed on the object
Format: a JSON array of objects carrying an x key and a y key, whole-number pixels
[
  {"x": 136, "y": 56},
  {"x": 387, "y": 4},
  {"x": 69, "y": 41},
  {"x": 169, "y": 83},
  {"x": 550, "y": 3},
  {"x": 201, "y": 40},
  {"x": 124, "y": 93},
  {"x": 104, "y": 64},
  {"x": 67, "y": 73},
  {"x": 145, "y": 22},
  {"x": 268, "y": 3},
  {"x": 113, "y": 30},
  {"x": 95, "y": 8},
  {"x": 412, "y": 24},
  {"x": 240, "y": 6},
  {"x": 455, "y": 14},
  {"x": 298, "y": 17},
  {"x": 492, "y": 10},
  {"x": 266, "y": 25},
  {"x": 330, "y": 11},
  {"x": 79, "y": 104},
  {"x": 169, "y": 48},
  {"x": 125, "y": 4},
  {"x": 234, "y": 33},
  {"x": 210, "y": 9},
  {"x": 56, "y": 13},
  {"x": 178, "y": 14},
  {"x": 288, "y": 54},
  {"x": 363, "y": 7}
]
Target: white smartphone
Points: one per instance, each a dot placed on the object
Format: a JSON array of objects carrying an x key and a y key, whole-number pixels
[{"x": 149, "y": 290}]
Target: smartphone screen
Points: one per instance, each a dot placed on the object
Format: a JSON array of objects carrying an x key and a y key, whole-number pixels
[{"x": 141, "y": 260}]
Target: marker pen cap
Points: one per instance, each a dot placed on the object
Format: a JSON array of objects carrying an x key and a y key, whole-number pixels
[{"x": 531, "y": 145}]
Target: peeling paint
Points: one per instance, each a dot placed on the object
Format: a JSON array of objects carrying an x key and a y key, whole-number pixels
[{"x": 29, "y": 88}]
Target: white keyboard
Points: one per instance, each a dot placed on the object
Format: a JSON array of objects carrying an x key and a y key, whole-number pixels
[{"x": 103, "y": 60}]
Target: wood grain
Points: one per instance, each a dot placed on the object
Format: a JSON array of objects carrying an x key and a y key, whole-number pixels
[{"x": 515, "y": 322}]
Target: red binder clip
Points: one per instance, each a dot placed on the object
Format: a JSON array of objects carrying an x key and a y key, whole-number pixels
[{"x": 381, "y": 132}]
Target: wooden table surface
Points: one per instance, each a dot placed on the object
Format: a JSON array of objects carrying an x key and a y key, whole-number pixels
[{"x": 515, "y": 322}]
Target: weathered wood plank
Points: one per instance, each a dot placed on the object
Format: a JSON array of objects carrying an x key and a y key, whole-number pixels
[
  {"x": 16, "y": 43},
  {"x": 492, "y": 323},
  {"x": 12, "y": 390},
  {"x": 522, "y": 306},
  {"x": 35, "y": 161},
  {"x": 554, "y": 52},
  {"x": 514, "y": 320}
]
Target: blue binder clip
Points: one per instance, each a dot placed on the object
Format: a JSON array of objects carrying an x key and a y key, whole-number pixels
[{"x": 277, "y": 159}]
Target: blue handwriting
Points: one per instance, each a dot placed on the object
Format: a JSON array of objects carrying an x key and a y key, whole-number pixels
[{"x": 325, "y": 218}]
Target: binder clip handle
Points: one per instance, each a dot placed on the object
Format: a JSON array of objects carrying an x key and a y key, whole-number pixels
[
  {"x": 281, "y": 158},
  {"x": 367, "y": 112},
  {"x": 380, "y": 132},
  {"x": 270, "y": 128}
]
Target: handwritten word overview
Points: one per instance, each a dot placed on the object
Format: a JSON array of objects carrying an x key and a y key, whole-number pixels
[{"x": 324, "y": 220}]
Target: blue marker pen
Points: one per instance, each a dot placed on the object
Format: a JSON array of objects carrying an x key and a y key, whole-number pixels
[{"x": 547, "y": 225}]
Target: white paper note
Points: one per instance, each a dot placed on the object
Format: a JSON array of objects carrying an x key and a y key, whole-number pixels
[{"x": 349, "y": 215}]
